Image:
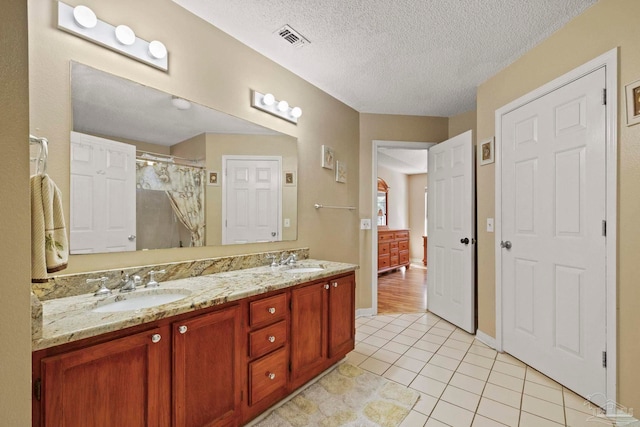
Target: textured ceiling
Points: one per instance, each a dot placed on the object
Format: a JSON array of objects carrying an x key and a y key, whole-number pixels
[{"x": 415, "y": 57}]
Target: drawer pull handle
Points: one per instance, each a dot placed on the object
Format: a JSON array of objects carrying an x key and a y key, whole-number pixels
[
  {"x": 326, "y": 286},
  {"x": 335, "y": 284},
  {"x": 271, "y": 375},
  {"x": 155, "y": 338},
  {"x": 271, "y": 338},
  {"x": 182, "y": 329},
  {"x": 272, "y": 310}
]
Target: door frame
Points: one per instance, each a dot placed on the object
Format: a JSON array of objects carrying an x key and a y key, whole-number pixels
[
  {"x": 224, "y": 183},
  {"x": 373, "y": 210},
  {"x": 609, "y": 61}
]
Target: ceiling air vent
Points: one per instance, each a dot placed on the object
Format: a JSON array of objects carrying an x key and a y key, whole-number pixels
[{"x": 291, "y": 36}]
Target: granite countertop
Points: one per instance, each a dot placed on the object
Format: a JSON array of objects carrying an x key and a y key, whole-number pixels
[{"x": 70, "y": 319}]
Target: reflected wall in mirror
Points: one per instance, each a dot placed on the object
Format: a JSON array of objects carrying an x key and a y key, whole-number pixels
[
  {"x": 139, "y": 163},
  {"x": 382, "y": 202}
]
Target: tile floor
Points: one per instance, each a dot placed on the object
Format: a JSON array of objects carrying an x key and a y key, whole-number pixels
[{"x": 462, "y": 381}]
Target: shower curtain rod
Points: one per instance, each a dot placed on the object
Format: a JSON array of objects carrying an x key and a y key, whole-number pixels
[{"x": 167, "y": 158}]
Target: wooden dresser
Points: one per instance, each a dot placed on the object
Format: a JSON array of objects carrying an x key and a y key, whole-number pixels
[{"x": 393, "y": 249}]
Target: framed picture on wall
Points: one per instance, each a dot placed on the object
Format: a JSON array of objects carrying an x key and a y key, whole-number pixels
[
  {"x": 341, "y": 172},
  {"x": 633, "y": 103},
  {"x": 290, "y": 178},
  {"x": 328, "y": 157},
  {"x": 485, "y": 152},
  {"x": 213, "y": 178}
]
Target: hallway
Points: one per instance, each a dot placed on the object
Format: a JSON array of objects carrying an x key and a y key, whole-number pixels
[{"x": 403, "y": 291}]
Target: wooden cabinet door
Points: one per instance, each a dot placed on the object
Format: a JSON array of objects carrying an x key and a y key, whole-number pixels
[
  {"x": 206, "y": 369},
  {"x": 118, "y": 383},
  {"x": 308, "y": 328},
  {"x": 341, "y": 315}
]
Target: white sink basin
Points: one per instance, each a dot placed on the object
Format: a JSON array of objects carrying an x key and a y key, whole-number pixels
[
  {"x": 140, "y": 300},
  {"x": 303, "y": 270}
]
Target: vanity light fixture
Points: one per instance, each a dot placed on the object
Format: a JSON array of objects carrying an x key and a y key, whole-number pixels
[
  {"x": 84, "y": 17},
  {"x": 269, "y": 104},
  {"x": 82, "y": 22}
]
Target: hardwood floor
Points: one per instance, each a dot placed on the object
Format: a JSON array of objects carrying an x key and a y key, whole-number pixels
[{"x": 403, "y": 291}]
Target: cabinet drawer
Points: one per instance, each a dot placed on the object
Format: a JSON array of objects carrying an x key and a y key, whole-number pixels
[
  {"x": 267, "y": 339},
  {"x": 404, "y": 245},
  {"x": 383, "y": 248},
  {"x": 404, "y": 257},
  {"x": 402, "y": 235},
  {"x": 393, "y": 245},
  {"x": 383, "y": 262},
  {"x": 267, "y": 375},
  {"x": 385, "y": 237},
  {"x": 267, "y": 310},
  {"x": 393, "y": 261}
]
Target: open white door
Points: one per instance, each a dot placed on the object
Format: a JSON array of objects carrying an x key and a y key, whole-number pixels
[
  {"x": 451, "y": 231},
  {"x": 103, "y": 195}
]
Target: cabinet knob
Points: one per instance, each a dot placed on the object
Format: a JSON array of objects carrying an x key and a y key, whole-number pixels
[
  {"x": 271, "y": 375},
  {"x": 182, "y": 329},
  {"x": 272, "y": 310},
  {"x": 155, "y": 338},
  {"x": 335, "y": 284},
  {"x": 326, "y": 286},
  {"x": 271, "y": 338}
]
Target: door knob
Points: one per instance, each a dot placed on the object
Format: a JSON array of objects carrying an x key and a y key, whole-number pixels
[
  {"x": 505, "y": 244},
  {"x": 182, "y": 329},
  {"x": 273, "y": 234},
  {"x": 132, "y": 237},
  {"x": 155, "y": 338},
  {"x": 465, "y": 240}
]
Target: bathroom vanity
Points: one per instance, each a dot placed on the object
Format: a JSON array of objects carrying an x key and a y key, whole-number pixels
[{"x": 236, "y": 344}]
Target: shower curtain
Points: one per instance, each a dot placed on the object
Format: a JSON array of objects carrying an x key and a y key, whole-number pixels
[{"x": 184, "y": 187}]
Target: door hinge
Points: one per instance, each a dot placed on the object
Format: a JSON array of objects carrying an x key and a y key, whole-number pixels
[
  {"x": 604, "y": 359},
  {"x": 37, "y": 389},
  {"x": 604, "y": 227},
  {"x": 604, "y": 96}
]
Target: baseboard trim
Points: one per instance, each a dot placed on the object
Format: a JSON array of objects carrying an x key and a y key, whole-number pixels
[
  {"x": 365, "y": 312},
  {"x": 485, "y": 339}
]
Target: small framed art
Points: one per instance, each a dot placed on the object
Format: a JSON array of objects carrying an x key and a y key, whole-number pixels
[
  {"x": 341, "y": 172},
  {"x": 486, "y": 152},
  {"x": 289, "y": 178},
  {"x": 328, "y": 157},
  {"x": 213, "y": 178},
  {"x": 633, "y": 103}
]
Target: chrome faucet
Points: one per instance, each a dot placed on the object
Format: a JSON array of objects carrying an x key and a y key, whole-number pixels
[
  {"x": 153, "y": 283},
  {"x": 103, "y": 286},
  {"x": 273, "y": 258},
  {"x": 129, "y": 283},
  {"x": 290, "y": 260}
]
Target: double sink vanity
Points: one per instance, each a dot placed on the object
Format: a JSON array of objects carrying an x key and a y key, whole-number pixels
[{"x": 209, "y": 350}]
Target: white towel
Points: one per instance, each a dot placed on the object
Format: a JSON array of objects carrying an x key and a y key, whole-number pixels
[{"x": 49, "y": 244}]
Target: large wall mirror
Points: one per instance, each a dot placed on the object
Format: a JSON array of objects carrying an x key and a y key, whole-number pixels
[{"x": 151, "y": 171}]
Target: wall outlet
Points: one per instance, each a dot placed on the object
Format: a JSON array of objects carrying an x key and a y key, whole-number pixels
[
  {"x": 489, "y": 225},
  {"x": 287, "y": 222},
  {"x": 365, "y": 224}
]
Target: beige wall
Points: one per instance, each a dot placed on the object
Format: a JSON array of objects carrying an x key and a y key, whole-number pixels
[
  {"x": 604, "y": 26},
  {"x": 462, "y": 123},
  {"x": 219, "y": 76},
  {"x": 417, "y": 184},
  {"x": 15, "y": 228},
  {"x": 387, "y": 128}
]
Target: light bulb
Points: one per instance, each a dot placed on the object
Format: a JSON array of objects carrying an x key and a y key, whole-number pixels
[
  {"x": 125, "y": 35},
  {"x": 268, "y": 99},
  {"x": 283, "y": 106},
  {"x": 157, "y": 50},
  {"x": 180, "y": 104},
  {"x": 296, "y": 112},
  {"x": 84, "y": 17}
]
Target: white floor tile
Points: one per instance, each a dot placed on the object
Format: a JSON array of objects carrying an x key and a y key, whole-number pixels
[
  {"x": 505, "y": 357},
  {"x": 436, "y": 339},
  {"x": 543, "y": 408},
  {"x": 552, "y": 395},
  {"x": 467, "y": 383},
  {"x": 436, "y": 372},
  {"x": 409, "y": 363},
  {"x": 499, "y": 412},
  {"x": 396, "y": 347},
  {"x": 375, "y": 341},
  {"x": 414, "y": 419},
  {"x": 530, "y": 420},
  {"x": 451, "y": 352},
  {"x": 509, "y": 369},
  {"x": 428, "y": 386},
  {"x": 483, "y": 362},
  {"x": 376, "y": 366},
  {"x": 444, "y": 362},
  {"x": 366, "y": 349},
  {"x": 403, "y": 339},
  {"x": 461, "y": 398},
  {"x": 386, "y": 335},
  {"x": 356, "y": 358},
  {"x": 452, "y": 415},
  {"x": 400, "y": 375},
  {"x": 537, "y": 377},
  {"x": 369, "y": 330},
  {"x": 473, "y": 371},
  {"x": 506, "y": 381},
  {"x": 416, "y": 353},
  {"x": 480, "y": 421},
  {"x": 440, "y": 332},
  {"x": 426, "y": 345},
  {"x": 386, "y": 356},
  {"x": 413, "y": 333},
  {"x": 435, "y": 423},
  {"x": 502, "y": 395},
  {"x": 393, "y": 328},
  {"x": 458, "y": 345},
  {"x": 573, "y": 401},
  {"x": 482, "y": 350},
  {"x": 425, "y": 404}
]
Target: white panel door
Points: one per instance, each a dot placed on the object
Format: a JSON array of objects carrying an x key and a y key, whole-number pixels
[
  {"x": 103, "y": 195},
  {"x": 252, "y": 200},
  {"x": 451, "y": 231},
  {"x": 553, "y": 256}
]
